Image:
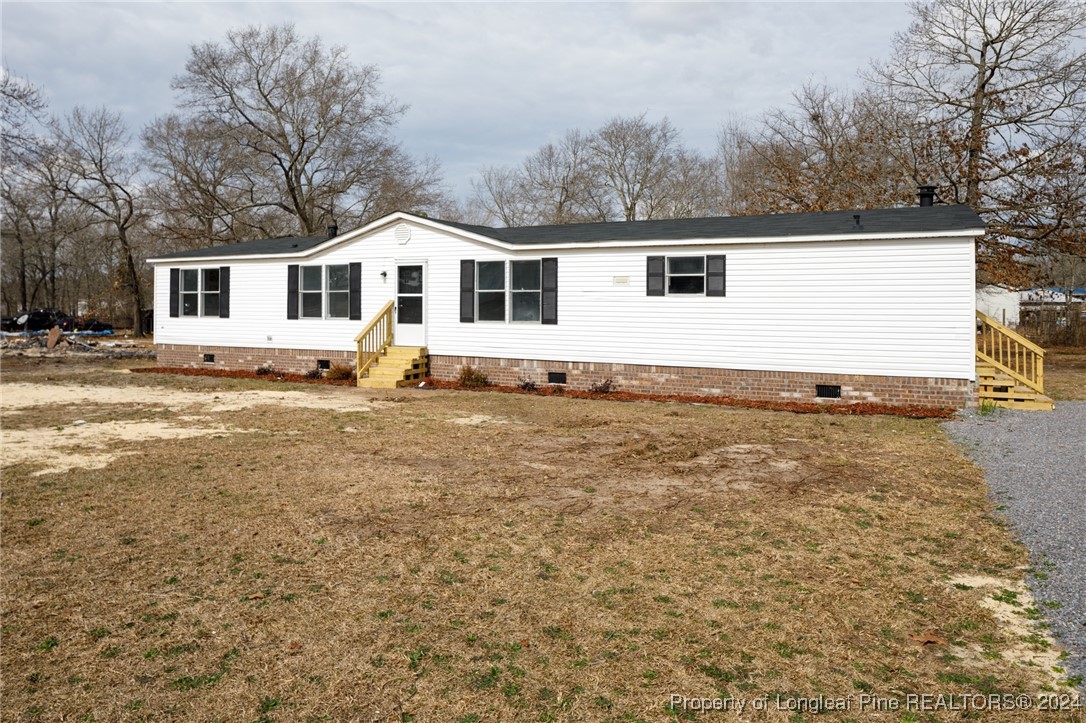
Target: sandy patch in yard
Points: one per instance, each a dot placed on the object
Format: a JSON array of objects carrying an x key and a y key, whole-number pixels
[
  {"x": 1011, "y": 603},
  {"x": 479, "y": 419},
  {"x": 56, "y": 448},
  {"x": 15, "y": 397}
]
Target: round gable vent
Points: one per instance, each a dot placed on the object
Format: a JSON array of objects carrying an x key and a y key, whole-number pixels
[{"x": 402, "y": 233}]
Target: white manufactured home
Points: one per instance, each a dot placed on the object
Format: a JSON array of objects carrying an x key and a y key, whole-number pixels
[{"x": 856, "y": 305}]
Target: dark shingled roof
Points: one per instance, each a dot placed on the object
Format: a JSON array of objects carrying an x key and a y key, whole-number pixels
[
  {"x": 913, "y": 219},
  {"x": 885, "y": 220},
  {"x": 285, "y": 245}
]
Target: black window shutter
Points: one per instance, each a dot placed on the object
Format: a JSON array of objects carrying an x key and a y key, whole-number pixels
[
  {"x": 550, "y": 291},
  {"x": 467, "y": 291},
  {"x": 355, "y": 296},
  {"x": 175, "y": 292},
  {"x": 292, "y": 291},
  {"x": 224, "y": 292},
  {"x": 654, "y": 279},
  {"x": 714, "y": 275}
]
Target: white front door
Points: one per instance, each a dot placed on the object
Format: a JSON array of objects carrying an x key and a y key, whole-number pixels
[{"x": 410, "y": 305}]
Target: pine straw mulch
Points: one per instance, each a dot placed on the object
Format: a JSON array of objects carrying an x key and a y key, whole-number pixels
[
  {"x": 449, "y": 556},
  {"x": 912, "y": 411}
]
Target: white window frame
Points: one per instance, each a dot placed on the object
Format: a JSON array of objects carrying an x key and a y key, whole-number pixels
[
  {"x": 184, "y": 291},
  {"x": 303, "y": 291},
  {"x": 328, "y": 291},
  {"x": 204, "y": 292},
  {"x": 504, "y": 291},
  {"x": 538, "y": 292},
  {"x": 508, "y": 292},
  {"x": 668, "y": 275}
]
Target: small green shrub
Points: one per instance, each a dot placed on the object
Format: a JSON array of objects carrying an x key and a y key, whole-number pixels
[
  {"x": 526, "y": 384},
  {"x": 265, "y": 370},
  {"x": 472, "y": 377},
  {"x": 315, "y": 373}
]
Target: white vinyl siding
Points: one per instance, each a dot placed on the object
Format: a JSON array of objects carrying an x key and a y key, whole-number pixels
[{"x": 886, "y": 307}]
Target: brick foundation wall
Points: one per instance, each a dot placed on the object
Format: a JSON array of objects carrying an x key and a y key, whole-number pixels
[
  {"x": 743, "y": 384},
  {"x": 637, "y": 378},
  {"x": 297, "y": 361}
]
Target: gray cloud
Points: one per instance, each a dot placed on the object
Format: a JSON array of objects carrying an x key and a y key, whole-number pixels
[{"x": 486, "y": 83}]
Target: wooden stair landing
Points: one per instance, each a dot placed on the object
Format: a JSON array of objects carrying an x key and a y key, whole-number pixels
[
  {"x": 996, "y": 387},
  {"x": 399, "y": 366}
]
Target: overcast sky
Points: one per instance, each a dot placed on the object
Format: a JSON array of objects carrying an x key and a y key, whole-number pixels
[{"x": 485, "y": 83}]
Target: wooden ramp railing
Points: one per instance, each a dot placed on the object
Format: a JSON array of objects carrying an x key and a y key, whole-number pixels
[
  {"x": 373, "y": 340},
  {"x": 1011, "y": 353}
]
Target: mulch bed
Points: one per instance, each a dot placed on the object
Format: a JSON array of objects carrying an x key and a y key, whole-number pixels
[
  {"x": 911, "y": 411},
  {"x": 244, "y": 374}
]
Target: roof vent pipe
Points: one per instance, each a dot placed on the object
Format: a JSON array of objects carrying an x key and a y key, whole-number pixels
[
  {"x": 333, "y": 230},
  {"x": 926, "y": 195}
]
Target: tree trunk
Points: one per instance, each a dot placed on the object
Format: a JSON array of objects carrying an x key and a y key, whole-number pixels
[
  {"x": 976, "y": 134},
  {"x": 134, "y": 287}
]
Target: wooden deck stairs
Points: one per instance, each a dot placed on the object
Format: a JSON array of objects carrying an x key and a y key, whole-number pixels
[
  {"x": 399, "y": 366},
  {"x": 380, "y": 365},
  {"x": 1010, "y": 368}
]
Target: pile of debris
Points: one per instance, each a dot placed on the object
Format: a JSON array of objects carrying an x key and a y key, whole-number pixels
[{"x": 59, "y": 343}]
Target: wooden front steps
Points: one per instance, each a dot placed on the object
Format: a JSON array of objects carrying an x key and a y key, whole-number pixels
[
  {"x": 398, "y": 366},
  {"x": 1003, "y": 390}
]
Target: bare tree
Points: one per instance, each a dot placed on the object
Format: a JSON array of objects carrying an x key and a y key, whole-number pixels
[
  {"x": 99, "y": 173},
  {"x": 629, "y": 169},
  {"x": 691, "y": 189},
  {"x": 1003, "y": 83},
  {"x": 632, "y": 156},
  {"x": 314, "y": 127},
  {"x": 41, "y": 224},
  {"x": 21, "y": 105},
  {"x": 829, "y": 150},
  {"x": 205, "y": 192}
]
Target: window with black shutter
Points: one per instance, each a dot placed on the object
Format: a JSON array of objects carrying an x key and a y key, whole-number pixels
[
  {"x": 175, "y": 292},
  {"x": 467, "y": 291},
  {"x": 550, "y": 291},
  {"x": 292, "y": 291}
]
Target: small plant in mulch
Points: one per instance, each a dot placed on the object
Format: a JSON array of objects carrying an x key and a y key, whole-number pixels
[
  {"x": 607, "y": 386},
  {"x": 526, "y": 385},
  {"x": 472, "y": 378},
  {"x": 314, "y": 373},
  {"x": 265, "y": 370},
  {"x": 340, "y": 371}
]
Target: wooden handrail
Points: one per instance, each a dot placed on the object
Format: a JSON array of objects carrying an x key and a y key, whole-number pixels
[
  {"x": 1011, "y": 353},
  {"x": 373, "y": 340}
]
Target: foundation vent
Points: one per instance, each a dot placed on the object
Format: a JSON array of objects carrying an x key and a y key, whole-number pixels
[
  {"x": 828, "y": 391},
  {"x": 556, "y": 377},
  {"x": 209, "y": 358}
]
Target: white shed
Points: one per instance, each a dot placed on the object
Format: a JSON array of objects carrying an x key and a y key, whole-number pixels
[
  {"x": 861, "y": 305},
  {"x": 999, "y": 303}
]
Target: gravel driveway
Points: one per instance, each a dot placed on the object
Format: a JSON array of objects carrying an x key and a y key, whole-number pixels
[{"x": 1035, "y": 463}]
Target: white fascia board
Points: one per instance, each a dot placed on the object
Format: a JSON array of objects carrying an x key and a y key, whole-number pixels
[{"x": 578, "y": 246}]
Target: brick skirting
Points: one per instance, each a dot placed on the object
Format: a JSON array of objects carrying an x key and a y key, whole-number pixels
[
  {"x": 637, "y": 378},
  {"x": 742, "y": 384},
  {"x": 295, "y": 361}
]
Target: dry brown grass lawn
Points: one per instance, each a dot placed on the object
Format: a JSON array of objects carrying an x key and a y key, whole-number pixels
[
  {"x": 1065, "y": 373},
  {"x": 477, "y": 556}
]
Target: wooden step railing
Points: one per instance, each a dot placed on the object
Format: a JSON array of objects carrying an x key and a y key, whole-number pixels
[
  {"x": 1011, "y": 353},
  {"x": 373, "y": 340}
]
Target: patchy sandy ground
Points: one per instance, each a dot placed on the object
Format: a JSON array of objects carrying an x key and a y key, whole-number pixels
[
  {"x": 20, "y": 396},
  {"x": 65, "y": 448},
  {"x": 93, "y": 445},
  {"x": 1013, "y": 605},
  {"x": 208, "y": 549}
]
